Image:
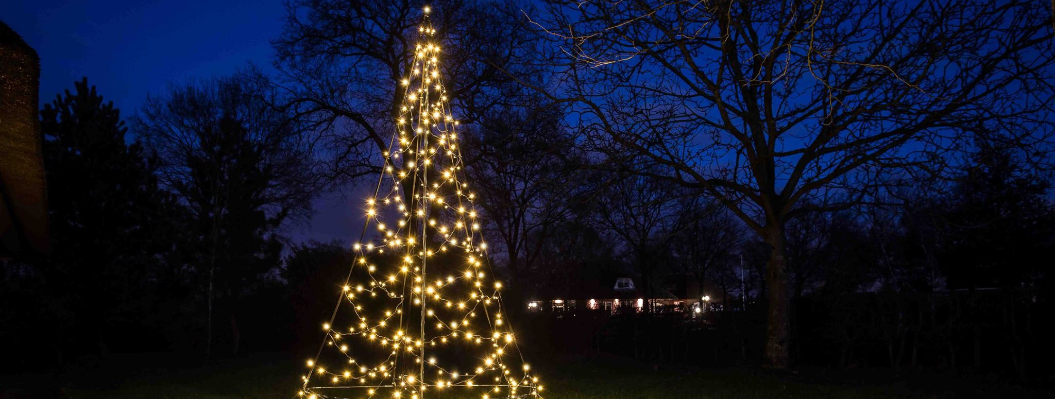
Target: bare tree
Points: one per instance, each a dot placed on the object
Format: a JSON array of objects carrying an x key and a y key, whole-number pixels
[
  {"x": 525, "y": 167},
  {"x": 575, "y": 254},
  {"x": 770, "y": 105},
  {"x": 342, "y": 62},
  {"x": 641, "y": 213},
  {"x": 708, "y": 238}
]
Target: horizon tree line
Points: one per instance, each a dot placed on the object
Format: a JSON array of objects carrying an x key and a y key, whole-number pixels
[{"x": 835, "y": 148}]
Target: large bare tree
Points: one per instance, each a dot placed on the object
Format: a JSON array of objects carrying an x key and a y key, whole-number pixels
[{"x": 778, "y": 108}]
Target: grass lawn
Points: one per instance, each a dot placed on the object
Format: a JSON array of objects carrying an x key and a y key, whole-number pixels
[{"x": 603, "y": 378}]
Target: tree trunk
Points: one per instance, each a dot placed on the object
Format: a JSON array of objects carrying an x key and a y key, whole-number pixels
[
  {"x": 778, "y": 314},
  {"x": 236, "y": 335},
  {"x": 208, "y": 301},
  {"x": 212, "y": 271}
]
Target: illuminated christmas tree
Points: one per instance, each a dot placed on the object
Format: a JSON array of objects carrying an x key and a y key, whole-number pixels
[{"x": 420, "y": 313}]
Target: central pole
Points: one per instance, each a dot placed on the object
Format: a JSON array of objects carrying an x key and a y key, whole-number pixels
[{"x": 423, "y": 112}]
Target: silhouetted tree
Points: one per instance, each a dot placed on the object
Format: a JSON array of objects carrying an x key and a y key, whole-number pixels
[
  {"x": 575, "y": 257},
  {"x": 776, "y": 109},
  {"x": 110, "y": 222},
  {"x": 342, "y": 62},
  {"x": 641, "y": 215},
  {"x": 708, "y": 239},
  {"x": 528, "y": 172},
  {"x": 242, "y": 170},
  {"x": 1000, "y": 223},
  {"x": 311, "y": 272}
]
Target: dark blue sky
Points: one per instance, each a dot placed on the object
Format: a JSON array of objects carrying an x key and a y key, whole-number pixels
[{"x": 129, "y": 49}]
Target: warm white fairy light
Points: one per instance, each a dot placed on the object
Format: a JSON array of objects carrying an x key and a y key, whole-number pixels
[{"x": 393, "y": 306}]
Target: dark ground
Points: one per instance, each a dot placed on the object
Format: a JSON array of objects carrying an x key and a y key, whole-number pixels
[{"x": 275, "y": 376}]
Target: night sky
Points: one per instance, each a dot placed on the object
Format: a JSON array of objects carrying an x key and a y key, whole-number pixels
[{"x": 129, "y": 49}]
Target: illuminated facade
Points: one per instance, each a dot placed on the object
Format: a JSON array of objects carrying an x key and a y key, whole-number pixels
[{"x": 622, "y": 295}]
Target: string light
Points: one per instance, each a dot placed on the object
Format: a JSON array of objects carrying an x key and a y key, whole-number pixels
[{"x": 384, "y": 312}]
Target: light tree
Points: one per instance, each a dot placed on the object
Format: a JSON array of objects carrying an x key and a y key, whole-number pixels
[
  {"x": 419, "y": 309},
  {"x": 767, "y": 106}
]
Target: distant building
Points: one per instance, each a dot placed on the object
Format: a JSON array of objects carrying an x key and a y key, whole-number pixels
[{"x": 621, "y": 294}]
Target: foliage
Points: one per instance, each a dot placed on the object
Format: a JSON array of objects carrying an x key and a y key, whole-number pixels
[
  {"x": 999, "y": 221},
  {"x": 111, "y": 223},
  {"x": 241, "y": 169},
  {"x": 309, "y": 272}
]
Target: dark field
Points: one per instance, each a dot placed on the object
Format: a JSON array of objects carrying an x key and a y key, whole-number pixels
[{"x": 274, "y": 376}]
